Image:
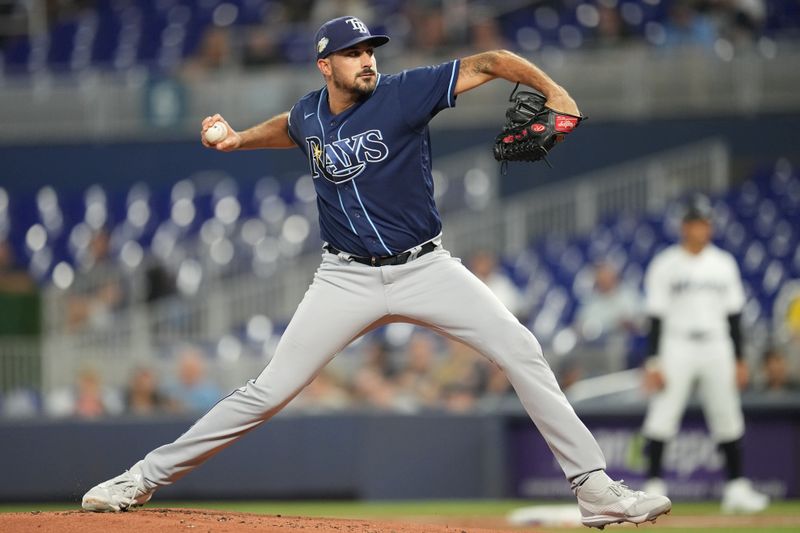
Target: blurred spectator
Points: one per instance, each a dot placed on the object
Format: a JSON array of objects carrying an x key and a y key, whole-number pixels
[
  {"x": 460, "y": 378},
  {"x": 378, "y": 357},
  {"x": 610, "y": 30},
  {"x": 324, "y": 394},
  {"x": 372, "y": 390},
  {"x": 415, "y": 382},
  {"x": 21, "y": 403},
  {"x": 88, "y": 398},
  {"x": 261, "y": 47},
  {"x": 160, "y": 282},
  {"x": 13, "y": 280},
  {"x": 97, "y": 291},
  {"x": 19, "y": 297},
  {"x": 792, "y": 322},
  {"x": 192, "y": 391},
  {"x": 605, "y": 321},
  {"x": 744, "y": 20},
  {"x": 214, "y": 52},
  {"x": 330, "y": 9},
  {"x": 427, "y": 27},
  {"x": 298, "y": 11},
  {"x": 688, "y": 26},
  {"x": 485, "y": 33},
  {"x": 789, "y": 328},
  {"x": 484, "y": 265},
  {"x": 142, "y": 396},
  {"x": 777, "y": 377}
]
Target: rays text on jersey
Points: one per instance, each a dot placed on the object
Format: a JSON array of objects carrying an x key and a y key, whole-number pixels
[{"x": 344, "y": 159}]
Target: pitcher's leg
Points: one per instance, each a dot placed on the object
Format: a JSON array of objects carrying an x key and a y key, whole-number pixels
[
  {"x": 440, "y": 291},
  {"x": 340, "y": 303}
]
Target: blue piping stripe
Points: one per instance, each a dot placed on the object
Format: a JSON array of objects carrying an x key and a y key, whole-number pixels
[
  {"x": 450, "y": 87},
  {"x": 322, "y": 140},
  {"x": 321, "y": 129},
  {"x": 355, "y": 188},
  {"x": 345, "y": 212}
]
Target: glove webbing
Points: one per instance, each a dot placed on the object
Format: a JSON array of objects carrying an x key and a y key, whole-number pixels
[{"x": 520, "y": 147}]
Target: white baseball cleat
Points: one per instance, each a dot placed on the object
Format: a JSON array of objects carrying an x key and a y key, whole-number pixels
[
  {"x": 739, "y": 496},
  {"x": 603, "y": 501},
  {"x": 119, "y": 493}
]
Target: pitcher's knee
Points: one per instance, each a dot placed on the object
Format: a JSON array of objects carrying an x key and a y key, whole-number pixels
[
  {"x": 519, "y": 345},
  {"x": 262, "y": 397}
]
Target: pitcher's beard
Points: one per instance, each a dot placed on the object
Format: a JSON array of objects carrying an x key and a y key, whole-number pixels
[
  {"x": 360, "y": 89},
  {"x": 364, "y": 87}
]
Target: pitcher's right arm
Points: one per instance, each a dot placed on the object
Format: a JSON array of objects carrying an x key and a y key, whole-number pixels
[{"x": 272, "y": 133}]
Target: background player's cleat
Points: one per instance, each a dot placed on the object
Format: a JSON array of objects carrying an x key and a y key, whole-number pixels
[
  {"x": 655, "y": 486},
  {"x": 603, "y": 501},
  {"x": 118, "y": 494},
  {"x": 739, "y": 496}
]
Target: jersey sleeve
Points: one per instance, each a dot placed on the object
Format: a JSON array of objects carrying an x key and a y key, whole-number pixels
[
  {"x": 294, "y": 131},
  {"x": 656, "y": 289},
  {"x": 736, "y": 298},
  {"x": 425, "y": 91}
]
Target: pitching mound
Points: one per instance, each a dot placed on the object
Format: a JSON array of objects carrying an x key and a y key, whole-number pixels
[{"x": 199, "y": 521}]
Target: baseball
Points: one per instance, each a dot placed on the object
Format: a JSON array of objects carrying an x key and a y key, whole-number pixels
[{"x": 216, "y": 133}]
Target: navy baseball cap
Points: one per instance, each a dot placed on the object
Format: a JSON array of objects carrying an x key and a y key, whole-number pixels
[
  {"x": 344, "y": 32},
  {"x": 698, "y": 208}
]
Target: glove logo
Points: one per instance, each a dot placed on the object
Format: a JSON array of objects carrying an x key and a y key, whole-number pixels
[
  {"x": 532, "y": 129},
  {"x": 565, "y": 123}
]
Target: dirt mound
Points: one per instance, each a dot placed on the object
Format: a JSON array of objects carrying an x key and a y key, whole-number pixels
[{"x": 201, "y": 521}]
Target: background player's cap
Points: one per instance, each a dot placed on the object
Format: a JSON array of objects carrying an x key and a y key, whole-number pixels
[
  {"x": 344, "y": 32},
  {"x": 698, "y": 208}
]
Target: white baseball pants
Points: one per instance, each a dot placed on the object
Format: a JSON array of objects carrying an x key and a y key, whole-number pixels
[
  {"x": 347, "y": 299},
  {"x": 709, "y": 363}
]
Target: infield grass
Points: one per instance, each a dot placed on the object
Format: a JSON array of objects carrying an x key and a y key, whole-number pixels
[{"x": 780, "y": 517}]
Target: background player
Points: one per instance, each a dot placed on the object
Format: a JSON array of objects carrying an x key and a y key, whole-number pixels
[
  {"x": 367, "y": 142},
  {"x": 694, "y": 295}
]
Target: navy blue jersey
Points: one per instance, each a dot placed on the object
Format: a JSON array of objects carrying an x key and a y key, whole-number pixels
[{"x": 371, "y": 163}]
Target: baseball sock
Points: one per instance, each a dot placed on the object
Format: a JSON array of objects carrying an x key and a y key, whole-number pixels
[
  {"x": 733, "y": 458},
  {"x": 580, "y": 479},
  {"x": 655, "y": 451}
]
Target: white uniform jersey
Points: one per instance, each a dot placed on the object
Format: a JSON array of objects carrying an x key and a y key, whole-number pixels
[{"x": 693, "y": 294}]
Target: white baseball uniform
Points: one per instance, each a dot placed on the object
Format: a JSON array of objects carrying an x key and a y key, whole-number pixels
[{"x": 693, "y": 295}]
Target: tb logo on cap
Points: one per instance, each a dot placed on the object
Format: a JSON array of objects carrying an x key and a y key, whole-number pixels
[{"x": 357, "y": 25}]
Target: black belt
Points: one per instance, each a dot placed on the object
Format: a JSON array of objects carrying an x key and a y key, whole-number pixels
[{"x": 399, "y": 259}]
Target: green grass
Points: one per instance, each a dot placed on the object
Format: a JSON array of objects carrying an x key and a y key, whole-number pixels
[{"x": 446, "y": 508}]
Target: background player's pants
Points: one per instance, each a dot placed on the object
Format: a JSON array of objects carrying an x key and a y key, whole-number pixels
[
  {"x": 345, "y": 300},
  {"x": 709, "y": 363}
]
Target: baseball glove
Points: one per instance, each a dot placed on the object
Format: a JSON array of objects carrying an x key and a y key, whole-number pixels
[{"x": 531, "y": 129}]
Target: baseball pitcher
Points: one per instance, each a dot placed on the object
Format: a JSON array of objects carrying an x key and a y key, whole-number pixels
[{"x": 365, "y": 135}]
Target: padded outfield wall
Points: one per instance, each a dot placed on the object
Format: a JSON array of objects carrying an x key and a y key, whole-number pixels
[{"x": 385, "y": 456}]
